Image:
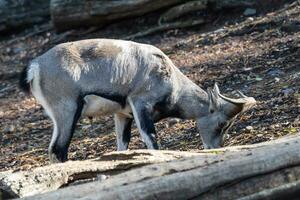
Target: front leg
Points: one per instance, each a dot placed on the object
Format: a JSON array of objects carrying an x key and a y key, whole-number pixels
[
  {"x": 143, "y": 119},
  {"x": 123, "y": 131}
]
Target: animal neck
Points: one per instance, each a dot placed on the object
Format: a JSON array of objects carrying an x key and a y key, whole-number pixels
[{"x": 192, "y": 101}]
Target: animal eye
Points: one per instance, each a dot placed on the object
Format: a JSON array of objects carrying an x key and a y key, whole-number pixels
[{"x": 222, "y": 124}]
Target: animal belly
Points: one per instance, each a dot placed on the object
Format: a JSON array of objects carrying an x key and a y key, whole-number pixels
[{"x": 96, "y": 105}]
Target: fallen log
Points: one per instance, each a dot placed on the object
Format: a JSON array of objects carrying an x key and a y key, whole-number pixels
[
  {"x": 52, "y": 177},
  {"x": 260, "y": 171},
  {"x": 18, "y": 14},
  {"x": 182, "y": 9},
  {"x": 74, "y": 13},
  {"x": 201, "y": 5}
]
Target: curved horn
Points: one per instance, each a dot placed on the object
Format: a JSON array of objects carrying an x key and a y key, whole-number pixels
[
  {"x": 244, "y": 100},
  {"x": 217, "y": 93}
]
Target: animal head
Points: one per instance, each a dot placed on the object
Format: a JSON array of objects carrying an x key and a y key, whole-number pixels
[{"x": 222, "y": 112}]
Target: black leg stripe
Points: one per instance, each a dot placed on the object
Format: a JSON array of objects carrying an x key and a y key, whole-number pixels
[
  {"x": 127, "y": 131},
  {"x": 147, "y": 124},
  {"x": 80, "y": 103}
]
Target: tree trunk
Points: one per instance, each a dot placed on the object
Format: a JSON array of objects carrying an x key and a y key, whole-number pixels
[
  {"x": 17, "y": 14},
  {"x": 269, "y": 170}
]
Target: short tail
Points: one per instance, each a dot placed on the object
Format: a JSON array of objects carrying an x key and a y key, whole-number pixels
[
  {"x": 23, "y": 81},
  {"x": 27, "y": 76}
]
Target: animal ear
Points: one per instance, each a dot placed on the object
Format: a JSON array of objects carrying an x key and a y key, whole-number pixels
[
  {"x": 213, "y": 100},
  {"x": 216, "y": 89}
]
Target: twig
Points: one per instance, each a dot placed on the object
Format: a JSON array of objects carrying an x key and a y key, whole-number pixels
[
  {"x": 42, "y": 29},
  {"x": 62, "y": 36},
  {"x": 89, "y": 30},
  {"x": 164, "y": 27},
  {"x": 33, "y": 151}
]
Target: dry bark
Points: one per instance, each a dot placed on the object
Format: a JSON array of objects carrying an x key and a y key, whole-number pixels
[{"x": 16, "y": 14}]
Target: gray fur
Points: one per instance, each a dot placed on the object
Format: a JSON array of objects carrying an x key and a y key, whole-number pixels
[{"x": 153, "y": 87}]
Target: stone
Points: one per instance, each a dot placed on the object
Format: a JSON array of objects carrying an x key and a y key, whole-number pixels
[{"x": 249, "y": 128}]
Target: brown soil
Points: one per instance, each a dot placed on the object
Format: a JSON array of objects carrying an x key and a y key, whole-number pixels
[{"x": 259, "y": 56}]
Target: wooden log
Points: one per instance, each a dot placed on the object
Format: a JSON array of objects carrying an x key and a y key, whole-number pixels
[
  {"x": 76, "y": 13},
  {"x": 260, "y": 171},
  {"x": 188, "y": 8},
  {"x": 52, "y": 177},
  {"x": 17, "y": 14},
  {"x": 201, "y": 5},
  {"x": 183, "y": 9}
]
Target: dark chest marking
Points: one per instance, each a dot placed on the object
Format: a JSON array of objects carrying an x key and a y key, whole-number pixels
[{"x": 165, "y": 108}]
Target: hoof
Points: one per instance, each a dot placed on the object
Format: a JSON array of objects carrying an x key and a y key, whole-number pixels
[{"x": 53, "y": 158}]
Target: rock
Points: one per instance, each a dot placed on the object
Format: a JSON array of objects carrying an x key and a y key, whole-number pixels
[
  {"x": 258, "y": 78},
  {"x": 286, "y": 92},
  {"x": 251, "y": 19},
  {"x": 249, "y": 128},
  {"x": 249, "y": 12},
  {"x": 275, "y": 72},
  {"x": 9, "y": 129},
  {"x": 8, "y": 50},
  {"x": 260, "y": 135}
]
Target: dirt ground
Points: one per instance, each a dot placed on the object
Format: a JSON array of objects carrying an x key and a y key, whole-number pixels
[{"x": 259, "y": 55}]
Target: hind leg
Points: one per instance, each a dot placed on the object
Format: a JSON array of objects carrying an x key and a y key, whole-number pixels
[{"x": 64, "y": 119}]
